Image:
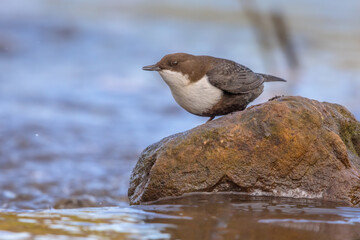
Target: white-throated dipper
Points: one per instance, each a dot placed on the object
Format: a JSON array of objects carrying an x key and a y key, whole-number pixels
[{"x": 208, "y": 86}]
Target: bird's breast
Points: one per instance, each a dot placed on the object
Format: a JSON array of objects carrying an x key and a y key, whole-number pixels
[{"x": 195, "y": 97}]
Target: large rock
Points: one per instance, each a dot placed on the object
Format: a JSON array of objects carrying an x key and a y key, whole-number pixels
[{"x": 289, "y": 147}]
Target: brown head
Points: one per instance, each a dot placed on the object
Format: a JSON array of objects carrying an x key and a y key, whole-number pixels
[{"x": 195, "y": 67}]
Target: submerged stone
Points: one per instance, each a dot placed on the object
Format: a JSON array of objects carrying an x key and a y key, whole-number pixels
[{"x": 287, "y": 147}]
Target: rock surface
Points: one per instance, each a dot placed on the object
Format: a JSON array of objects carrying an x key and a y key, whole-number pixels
[{"x": 288, "y": 147}]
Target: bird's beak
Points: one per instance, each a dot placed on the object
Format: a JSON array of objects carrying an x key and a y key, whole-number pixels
[{"x": 151, "y": 68}]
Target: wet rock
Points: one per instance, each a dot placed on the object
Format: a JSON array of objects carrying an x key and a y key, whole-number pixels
[
  {"x": 7, "y": 46},
  {"x": 287, "y": 147},
  {"x": 76, "y": 202}
]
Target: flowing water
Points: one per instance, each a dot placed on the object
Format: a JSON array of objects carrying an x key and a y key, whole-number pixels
[
  {"x": 219, "y": 216},
  {"x": 76, "y": 111}
]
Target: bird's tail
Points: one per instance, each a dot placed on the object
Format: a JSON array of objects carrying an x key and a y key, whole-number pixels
[{"x": 270, "y": 78}]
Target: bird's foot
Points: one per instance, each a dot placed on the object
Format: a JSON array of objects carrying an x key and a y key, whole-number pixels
[{"x": 276, "y": 97}]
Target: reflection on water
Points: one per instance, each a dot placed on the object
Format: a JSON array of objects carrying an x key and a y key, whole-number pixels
[
  {"x": 240, "y": 217},
  {"x": 192, "y": 217}
]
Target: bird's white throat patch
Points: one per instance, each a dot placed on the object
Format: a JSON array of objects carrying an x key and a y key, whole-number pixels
[{"x": 197, "y": 97}]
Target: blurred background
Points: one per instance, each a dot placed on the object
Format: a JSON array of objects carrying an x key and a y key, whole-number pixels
[{"x": 76, "y": 109}]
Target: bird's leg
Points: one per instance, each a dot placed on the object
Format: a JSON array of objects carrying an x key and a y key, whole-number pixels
[{"x": 211, "y": 118}]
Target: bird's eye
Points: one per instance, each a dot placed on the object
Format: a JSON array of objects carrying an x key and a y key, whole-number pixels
[{"x": 173, "y": 63}]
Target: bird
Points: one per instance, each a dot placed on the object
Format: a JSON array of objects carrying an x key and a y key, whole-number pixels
[{"x": 209, "y": 86}]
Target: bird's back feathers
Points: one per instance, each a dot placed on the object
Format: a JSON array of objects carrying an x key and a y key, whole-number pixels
[{"x": 234, "y": 78}]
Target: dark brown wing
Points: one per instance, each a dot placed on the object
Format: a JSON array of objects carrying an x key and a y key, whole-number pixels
[{"x": 233, "y": 77}]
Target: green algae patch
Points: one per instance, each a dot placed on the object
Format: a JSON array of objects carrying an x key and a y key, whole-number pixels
[{"x": 350, "y": 134}]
